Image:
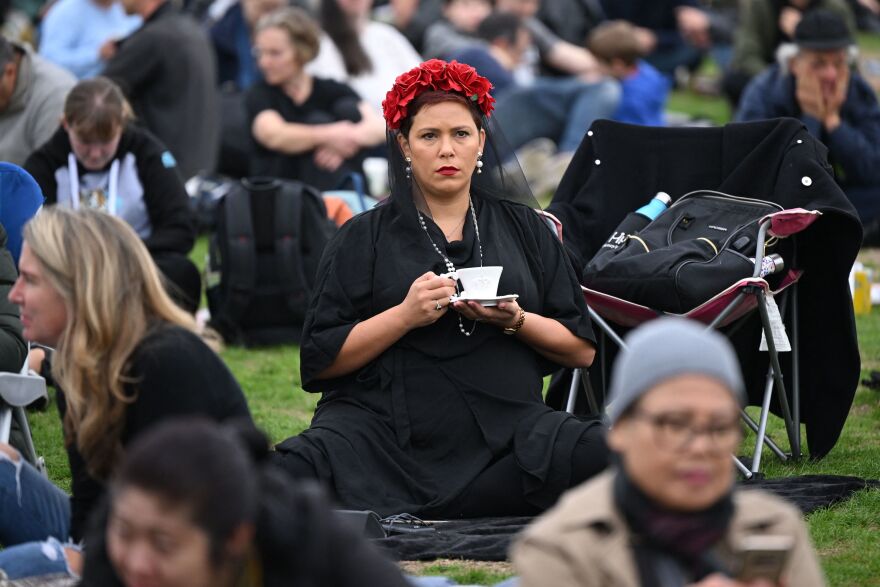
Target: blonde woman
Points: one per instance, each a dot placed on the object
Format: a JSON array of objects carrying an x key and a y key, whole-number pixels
[{"x": 126, "y": 357}]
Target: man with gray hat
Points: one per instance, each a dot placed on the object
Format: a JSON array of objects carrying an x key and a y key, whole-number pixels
[
  {"x": 668, "y": 512},
  {"x": 816, "y": 83}
]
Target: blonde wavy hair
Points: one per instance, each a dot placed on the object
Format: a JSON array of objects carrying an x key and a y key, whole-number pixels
[{"x": 114, "y": 297}]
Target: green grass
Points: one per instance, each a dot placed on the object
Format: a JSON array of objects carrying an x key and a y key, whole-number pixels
[{"x": 845, "y": 535}]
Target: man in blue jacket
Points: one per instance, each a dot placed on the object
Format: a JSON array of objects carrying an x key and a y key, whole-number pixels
[{"x": 819, "y": 86}]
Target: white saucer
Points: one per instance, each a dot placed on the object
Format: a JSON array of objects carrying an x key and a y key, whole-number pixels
[{"x": 485, "y": 301}]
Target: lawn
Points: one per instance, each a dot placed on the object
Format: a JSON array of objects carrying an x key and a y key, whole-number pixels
[{"x": 846, "y": 535}]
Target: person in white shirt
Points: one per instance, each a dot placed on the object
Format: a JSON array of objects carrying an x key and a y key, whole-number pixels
[{"x": 362, "y": 53}]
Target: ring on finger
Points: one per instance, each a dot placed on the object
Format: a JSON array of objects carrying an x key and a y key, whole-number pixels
[{"x": 438, "y": 307}]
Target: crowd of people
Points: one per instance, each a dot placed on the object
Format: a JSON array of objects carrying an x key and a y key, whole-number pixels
[
  {"x": 236, "y": 97},
  {"x": 431, "y": 402}
]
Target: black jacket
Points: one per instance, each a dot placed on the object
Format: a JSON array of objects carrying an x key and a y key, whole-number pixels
[
  {"x": 167, "y": 70},
  {"x": 169, "y": 225},
  {"x": 619, "y": 167},
  {"x": 173, "y": 374},
  {"x": 298, "y": 539}
]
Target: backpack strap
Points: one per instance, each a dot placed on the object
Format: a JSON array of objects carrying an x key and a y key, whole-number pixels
[
  {"x": 241, "y": 262},
  {"x": 288, "y": 246}
]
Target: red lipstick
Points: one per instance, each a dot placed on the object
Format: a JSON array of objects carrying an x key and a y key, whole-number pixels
[{"x": 447, "y": 170}]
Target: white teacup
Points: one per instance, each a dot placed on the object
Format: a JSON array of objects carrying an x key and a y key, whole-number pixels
[{"x": 479, "y": 282}]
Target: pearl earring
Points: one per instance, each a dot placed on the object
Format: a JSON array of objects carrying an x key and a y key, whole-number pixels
[
  {"x": 408, "y": 169},
  {"x": 479, "y": 162}
]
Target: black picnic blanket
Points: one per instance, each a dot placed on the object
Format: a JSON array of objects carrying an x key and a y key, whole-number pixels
[{"x": 487, "y": 539}]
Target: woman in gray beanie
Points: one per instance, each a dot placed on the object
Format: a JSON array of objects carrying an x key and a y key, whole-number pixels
[{"x": 668, "y": 515}]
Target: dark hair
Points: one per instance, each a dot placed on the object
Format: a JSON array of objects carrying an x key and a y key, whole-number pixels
[
  {"x": 436, "y": 97},
  {"x": 500, "y": 25},
  {"x": 616, "y": 39},
  {"x": 96, "y": 109},
  {"x": 201, "y": 466},
  {"x": 341, "y": 30},
  {"x": 7, "y": 51}
]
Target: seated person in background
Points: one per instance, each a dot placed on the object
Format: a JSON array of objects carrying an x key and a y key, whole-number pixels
[
  {"x": 306, "y": 128},
  {"x": 232, "y": 38},
  {"x": 432, "y": 405},
  {"x": 819, "y": 86},
  {"x": 13, "y": 349},
  {"x": 644, "y": 90},
  {"x": 763, "y": 26},
  {"x": 457, "y": 29},
  {"x": 166, "y": 69},
  {"x": 81, "y": 35},
  {"x": 543, "y": 117},
  {"x": 672, "y": 33},
  {"x": 549, "y": 53},
  {"x": 32, "y": 92},
  {"x": 360, "y": 52},
  {"x": 126, "y": 357},
  {"x": 236, "y": 522},
  {"x": 506, "y": 41},
  {"x": 668, "y": 513},
  {"x": 557, "y": 108},
  {"x": 99, "y": 158}
]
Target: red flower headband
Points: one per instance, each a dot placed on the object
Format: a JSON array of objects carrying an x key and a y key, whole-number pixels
[{"x": 435, "y": 75}]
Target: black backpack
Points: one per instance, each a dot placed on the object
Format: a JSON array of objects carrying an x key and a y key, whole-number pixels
[
  {"x": 704, "y": 242},
  {"x": 263, "y": 258}
]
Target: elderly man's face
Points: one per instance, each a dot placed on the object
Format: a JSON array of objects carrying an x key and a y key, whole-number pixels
[
  {"x": 7, "y": 84},
  {"x": 829, "y": 68}
]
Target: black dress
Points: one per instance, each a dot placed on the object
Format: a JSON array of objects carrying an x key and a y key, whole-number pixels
[{"x": 410, "y": 431}]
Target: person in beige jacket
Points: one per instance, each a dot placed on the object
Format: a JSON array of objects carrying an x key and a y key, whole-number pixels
[{"x": 668, "y": 514}]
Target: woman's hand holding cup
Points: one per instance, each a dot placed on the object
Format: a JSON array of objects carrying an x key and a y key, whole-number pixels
[
  {"x": 427, "y": 299},
  {"x": 504, "y": 315}
]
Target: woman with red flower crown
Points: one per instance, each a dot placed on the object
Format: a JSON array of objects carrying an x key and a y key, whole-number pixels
[{"x": 431, "y": 402}]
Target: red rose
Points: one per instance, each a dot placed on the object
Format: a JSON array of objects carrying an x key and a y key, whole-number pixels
[
  {"x": 438, "y": 75},
  {"x": 435, "y": 67}
]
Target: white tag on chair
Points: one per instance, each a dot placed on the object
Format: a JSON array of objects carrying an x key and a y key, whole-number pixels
[{"x": 777, "y": 328}]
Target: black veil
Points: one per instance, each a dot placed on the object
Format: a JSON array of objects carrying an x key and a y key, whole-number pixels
[{"x": 502, "y": 177}]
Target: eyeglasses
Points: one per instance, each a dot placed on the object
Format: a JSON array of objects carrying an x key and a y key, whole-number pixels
[{"x": 676, "y": 431}]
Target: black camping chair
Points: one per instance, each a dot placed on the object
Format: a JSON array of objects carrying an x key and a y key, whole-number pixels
[{"x": 618, "y": 167}]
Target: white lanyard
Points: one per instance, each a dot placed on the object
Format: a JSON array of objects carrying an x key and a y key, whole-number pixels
[{"x": 112, "y": 188}]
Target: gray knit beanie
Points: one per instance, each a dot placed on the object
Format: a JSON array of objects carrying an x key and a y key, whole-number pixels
[{"x": 665, "y": 348}]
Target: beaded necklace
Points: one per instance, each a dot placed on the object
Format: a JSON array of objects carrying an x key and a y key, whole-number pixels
[{"x": 449, "y": 266}]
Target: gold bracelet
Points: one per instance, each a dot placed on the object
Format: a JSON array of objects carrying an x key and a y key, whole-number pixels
[{"x": 519, "y": 323}]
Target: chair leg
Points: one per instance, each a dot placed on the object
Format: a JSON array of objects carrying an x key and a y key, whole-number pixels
[
  {"x": 753, "y": 426},
  {"x": 28, "y": 450},
  {"x": 572, "y": 391},
  {"x": 742, "y": 468},
  {"x": 762, "y": 426},
  {"x": 5, "y": 423},
  {"x": 776, "y": 369},
  {"x": 795, "y": 372}
]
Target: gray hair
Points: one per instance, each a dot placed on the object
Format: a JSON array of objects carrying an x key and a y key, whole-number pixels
[{"x": 788, "y": 51}]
